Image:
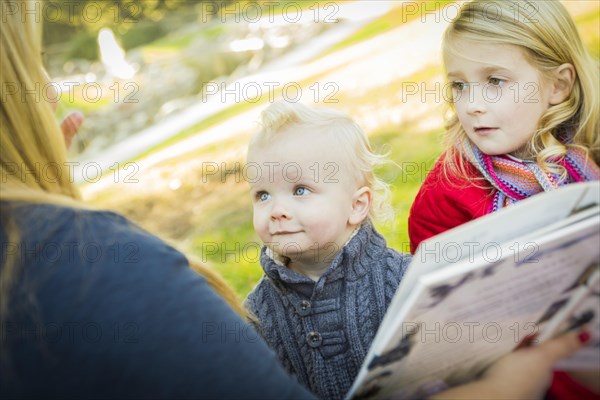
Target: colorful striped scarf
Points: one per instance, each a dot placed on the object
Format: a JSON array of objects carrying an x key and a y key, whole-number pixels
[{"x": 517, "y": 179}]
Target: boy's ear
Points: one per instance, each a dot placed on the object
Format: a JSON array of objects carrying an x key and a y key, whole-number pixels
[
  {"x": 562, "y": 83},
  {"x": 361, "y": 204}
]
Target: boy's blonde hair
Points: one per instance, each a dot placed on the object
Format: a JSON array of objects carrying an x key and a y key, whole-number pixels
[
  {"x": 352, "y": 140},
  {"x": 547, "y": 33}
]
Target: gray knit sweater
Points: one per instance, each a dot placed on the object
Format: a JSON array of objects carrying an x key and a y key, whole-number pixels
[{"x": 322, "y": 330}]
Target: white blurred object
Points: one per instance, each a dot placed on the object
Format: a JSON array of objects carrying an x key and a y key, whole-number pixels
[
  {"x": 174, "y": 184},
  {"x": 113, "y": 56},
  {"x": 246, "y": 44}
]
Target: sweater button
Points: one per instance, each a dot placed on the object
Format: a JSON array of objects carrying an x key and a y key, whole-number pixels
[
  {"x": 314, "y": 339},
  {"x": 303, "y": 308}
]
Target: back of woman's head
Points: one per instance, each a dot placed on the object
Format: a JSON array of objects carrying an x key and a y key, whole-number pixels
[
  {"x": 549, "y": 37},
  {"x": 32, "y": 150}
]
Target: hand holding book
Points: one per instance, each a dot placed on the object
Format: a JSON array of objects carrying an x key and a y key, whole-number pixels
[{"x": 523, "y": 374}]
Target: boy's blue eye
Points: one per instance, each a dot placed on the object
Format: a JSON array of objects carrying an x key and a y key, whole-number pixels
[
  {"x": 301, "y": 191},
  {"x": 262, "y": 196}
]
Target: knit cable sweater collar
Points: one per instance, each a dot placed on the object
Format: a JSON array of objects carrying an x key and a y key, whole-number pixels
[{"x": 365, "y": 241}]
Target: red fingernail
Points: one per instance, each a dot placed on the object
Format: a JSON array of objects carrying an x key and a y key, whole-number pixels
[
  {"x": 527, "y": 341},
  {"x": 584, "y": 336}
]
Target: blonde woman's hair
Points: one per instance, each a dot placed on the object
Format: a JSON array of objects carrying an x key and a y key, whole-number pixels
[
  {"x": 352, "y": 140},
  {"x": 32, "y": 149},
  {"x": 33, "y": 158},
  {"x": 547, "y": 34}
]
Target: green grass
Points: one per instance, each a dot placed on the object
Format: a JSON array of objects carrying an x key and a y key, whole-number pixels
[
  {"x": 178, "y": 42},
  {"x": 414, "y": 154},
  {"x": 172, "y": 43},
  {"x": 236, "y": 260}
]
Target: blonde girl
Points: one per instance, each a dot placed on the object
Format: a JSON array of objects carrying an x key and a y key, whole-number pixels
[
  {"x": 524, "y": 113},
  {"x": 524, "y": 118}
]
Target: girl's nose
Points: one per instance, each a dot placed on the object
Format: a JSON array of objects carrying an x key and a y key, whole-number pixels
[{"x": 476, "y": 104}]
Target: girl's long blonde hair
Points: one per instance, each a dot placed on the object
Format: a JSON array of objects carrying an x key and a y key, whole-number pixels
[
  {"x": 547, "y": 33},
  {"x": 33, "y": 158}
]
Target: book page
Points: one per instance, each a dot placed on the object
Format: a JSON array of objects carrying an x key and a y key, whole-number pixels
[
  {"x": 582, "y": 309},
  {"x": 460, "y": 319},
  {"x": 544, "y": 212}
]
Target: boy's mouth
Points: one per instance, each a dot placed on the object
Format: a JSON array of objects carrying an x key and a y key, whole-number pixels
[{"x": 284, "y": 232}]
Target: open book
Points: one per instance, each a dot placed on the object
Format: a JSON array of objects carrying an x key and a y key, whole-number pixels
[{"x": 475, "y": 293}]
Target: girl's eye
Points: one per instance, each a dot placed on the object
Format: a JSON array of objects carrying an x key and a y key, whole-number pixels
[
  {"x": 301, "y": 191},
  {"x": 262, "y": 196},
  {"x": 458, "y": 86},
  {"x": 496, "y": 81}
]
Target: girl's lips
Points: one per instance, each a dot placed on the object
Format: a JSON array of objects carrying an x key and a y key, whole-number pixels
[{"x": 485, "y": 130}]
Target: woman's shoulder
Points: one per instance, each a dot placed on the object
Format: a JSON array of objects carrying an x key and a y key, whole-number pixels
[
  {"x": 40, "y": 218},
  {"x": 40, "y": 223},
  {"x": 153, "y": 320},
  {"x": 57, "y": 243}
]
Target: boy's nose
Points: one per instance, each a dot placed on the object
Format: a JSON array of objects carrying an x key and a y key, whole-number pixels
[{"x": 279, "y": 212}]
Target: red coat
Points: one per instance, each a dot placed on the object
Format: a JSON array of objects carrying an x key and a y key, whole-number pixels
[{"x": 441, "y": 205}]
